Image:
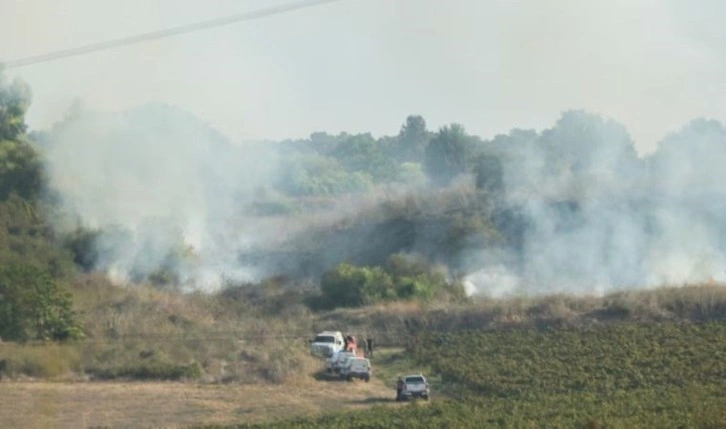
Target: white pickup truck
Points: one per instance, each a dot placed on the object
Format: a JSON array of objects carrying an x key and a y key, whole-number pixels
[
  {"x": 327, "y": 343},
  {"x": 356, "y": 367},
  {"x": 336, "y": 362},
  {"x": 414, "y": 386}
]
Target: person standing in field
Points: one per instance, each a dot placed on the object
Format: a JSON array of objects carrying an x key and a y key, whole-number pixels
[{"x": 351, "y": 344}]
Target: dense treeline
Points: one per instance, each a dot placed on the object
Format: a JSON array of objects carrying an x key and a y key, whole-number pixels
[
  {"x": 570, "y": 208},
  {"x": 325, "y": 165},
  {"x": 570, "y": 205}
]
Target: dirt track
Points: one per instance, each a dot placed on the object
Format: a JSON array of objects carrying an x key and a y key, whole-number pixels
[{"x": 173, "y": 405}]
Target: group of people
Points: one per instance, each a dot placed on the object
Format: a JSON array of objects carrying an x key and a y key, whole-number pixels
[{"x": 350, "y": 345}]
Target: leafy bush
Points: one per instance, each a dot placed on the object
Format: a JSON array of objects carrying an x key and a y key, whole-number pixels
[
  {"x": 26, "y": 238},
  {"x": 21, "y": 171},
  {"x": 400, "y": 279},
  {"x": 34, "y": 307}
]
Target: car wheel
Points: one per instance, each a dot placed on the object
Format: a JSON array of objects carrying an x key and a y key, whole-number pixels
[{"x": 367, "y": 379}]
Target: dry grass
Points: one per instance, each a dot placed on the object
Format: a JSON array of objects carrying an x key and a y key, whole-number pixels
[
  {"x": 255, "y": 365},
  {"x": 248, "y": 335},
  {"x": 34, "y": 405},
  {"x": 51, "y": 361},
  {"x": 129, "y": 329},
  {"x": 391, "y": 323}
]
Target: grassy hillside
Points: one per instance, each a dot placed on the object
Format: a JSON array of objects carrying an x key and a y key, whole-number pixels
[
  {"x": 258, "y": 333},
  {"x": 637, "y": 359},
  {"x": 244, "y": 334},
  {"x": 394, "y": 323}
]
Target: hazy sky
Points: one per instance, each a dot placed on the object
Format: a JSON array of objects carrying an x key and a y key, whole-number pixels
[{"x": 363, "y": 65}]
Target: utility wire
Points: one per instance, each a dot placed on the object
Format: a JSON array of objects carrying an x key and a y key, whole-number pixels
[{"x": 145, "y": 37}]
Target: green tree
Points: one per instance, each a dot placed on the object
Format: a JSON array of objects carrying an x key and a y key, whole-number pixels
[
  {"x": 25, "y": 235},
  {"x": 14, "y": 102},
  {"x": 33, "y": 306},
  {"x": 489, "y": 176},
  {"x": 21, "y": 170},
  {"x": 414, "y": 278},
  {"x": 401, "y": 278},
  {"x": 324, "y": 143},
  {"x": 362, "y": 153},
  {"x": 20, "y": 166},
  {"x": 690, "y": 159},
  {"x": 412, "y": 140},
  {"x": 447, "y": 154},
  {"x": 583, "y": 142},
  {"x": 26, "y": 238},
  {"x": 350, "y": 286}
]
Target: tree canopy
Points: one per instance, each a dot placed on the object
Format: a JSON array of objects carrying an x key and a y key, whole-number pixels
[
  {"x": 448, "y": 154},
  {"x": 33, "y": 306},
  {"x": 14, "y": 102}
]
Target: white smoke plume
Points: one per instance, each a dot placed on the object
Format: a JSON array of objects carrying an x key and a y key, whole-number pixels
[
  {"x": 160, "y": 184},
  {"x": 582, "y": 211},
  {"x": 597, "y": 218}
]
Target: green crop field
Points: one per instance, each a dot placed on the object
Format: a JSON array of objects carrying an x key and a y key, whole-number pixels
[{"x": 616, "y": 376}]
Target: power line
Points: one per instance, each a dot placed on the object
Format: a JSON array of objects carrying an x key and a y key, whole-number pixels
[{"x": 145, "y": 37}]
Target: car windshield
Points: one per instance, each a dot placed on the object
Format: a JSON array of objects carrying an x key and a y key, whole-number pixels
[
  {"x": 324, "y": 339},
  {"x": 415, "y": 379}
]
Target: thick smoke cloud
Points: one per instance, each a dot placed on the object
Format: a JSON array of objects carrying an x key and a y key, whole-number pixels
[
  {"x": 164, "y": 189},
  {"x": 581, "y": 212},
  {"x": 598, "y": 218}
]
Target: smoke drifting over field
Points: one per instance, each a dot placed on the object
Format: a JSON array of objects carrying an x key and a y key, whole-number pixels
[{"x": 581, "y": 212}]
